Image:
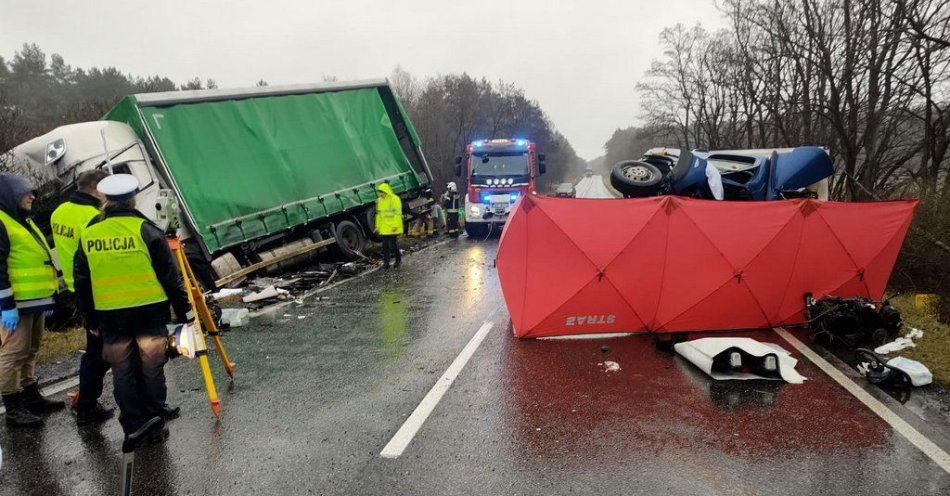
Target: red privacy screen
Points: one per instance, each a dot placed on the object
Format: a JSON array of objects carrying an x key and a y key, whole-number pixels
[{"x": 664, "y": 264}]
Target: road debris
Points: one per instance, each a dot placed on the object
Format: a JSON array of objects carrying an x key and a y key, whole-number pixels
[
  {"x": 740, "y": 358},
  {"x": 234, "y": 317},
  {"x": 610, "y": 366},
  {"x": 895, "y": 372},
  {"x": 906, "y": 341},
  {"x": 266, "y": 294}
]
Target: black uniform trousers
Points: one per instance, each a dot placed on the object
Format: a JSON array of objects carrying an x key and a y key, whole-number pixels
[
  {"x": 390, "y": 249},
  {"x": 92, "y": 371},
  {"x": 137, "y": 358}
]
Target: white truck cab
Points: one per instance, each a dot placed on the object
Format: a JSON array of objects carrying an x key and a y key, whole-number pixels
[{"x": 67, "y": 151}]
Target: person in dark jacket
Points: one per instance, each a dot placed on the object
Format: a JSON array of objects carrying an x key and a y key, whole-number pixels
[
  {"x": 28, "y": 282},
  {"x": 68, "y": 222},
  {"x": 125, "y": 277}
]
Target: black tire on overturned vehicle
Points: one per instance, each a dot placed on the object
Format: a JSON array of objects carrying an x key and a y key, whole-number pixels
[{"x": 636, "y": 179}]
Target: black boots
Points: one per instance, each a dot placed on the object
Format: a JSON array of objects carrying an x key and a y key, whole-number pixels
[
  {"x": 152, "y": 431},
  {"x": 36, "y": 403},
  {"x": 94, "y": 414},
  {"x": 17, "y": 415},
  {"x": 169, "y": 413}
]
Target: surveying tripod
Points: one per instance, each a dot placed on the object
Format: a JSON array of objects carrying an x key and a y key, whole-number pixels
[{"x": 204, "y": 323}]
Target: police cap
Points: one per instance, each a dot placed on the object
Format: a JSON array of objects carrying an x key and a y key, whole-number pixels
[{"x": 118, "y": 187}]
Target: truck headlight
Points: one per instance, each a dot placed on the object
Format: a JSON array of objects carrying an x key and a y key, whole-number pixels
[{"x": 55, "y": 150}]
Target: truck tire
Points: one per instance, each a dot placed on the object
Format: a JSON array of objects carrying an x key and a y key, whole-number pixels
[
  {"x": 476, "y": 229},
  {"x": 370, "y": 217},
  {"x": 636, "y": 179},
  {"x": 350, "y": 239}
]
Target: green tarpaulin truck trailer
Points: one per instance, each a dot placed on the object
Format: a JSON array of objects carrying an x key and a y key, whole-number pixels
[{"x": 253, "y": 170}]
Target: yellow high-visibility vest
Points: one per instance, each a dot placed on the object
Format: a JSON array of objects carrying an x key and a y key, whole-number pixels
[
  {"x": 29, "y": 264},
  {"x": 68, "y": 222},
  {"x": 120, "y": 266}
]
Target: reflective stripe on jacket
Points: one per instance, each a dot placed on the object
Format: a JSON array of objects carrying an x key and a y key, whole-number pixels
[{"x": 120, "y": 267}]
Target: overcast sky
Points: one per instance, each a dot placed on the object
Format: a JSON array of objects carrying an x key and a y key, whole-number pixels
[{"x": 579, "y": 59}]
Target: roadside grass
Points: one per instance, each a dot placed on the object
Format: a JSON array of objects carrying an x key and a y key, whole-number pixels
[
  {"x": 61, "y": 344},
  {"x": 933, "y": 350}
]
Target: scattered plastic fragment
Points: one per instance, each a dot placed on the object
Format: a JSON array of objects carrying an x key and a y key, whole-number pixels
[
  {"x": 900, "y": 343},
  {"x": 225, "y": 292},
  {"x": 266, "y": 294},
  {"x": 234, "y": 317}
]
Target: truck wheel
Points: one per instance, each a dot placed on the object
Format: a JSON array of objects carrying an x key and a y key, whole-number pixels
[
  {"x": 370, "y": 225},
  {"x": 476, "y": 229},
  {"x": 350, "y": 239},
  {"x": 634, "y": 178}
]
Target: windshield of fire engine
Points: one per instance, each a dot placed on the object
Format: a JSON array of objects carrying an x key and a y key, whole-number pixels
[{"x": 500, "y": 164}]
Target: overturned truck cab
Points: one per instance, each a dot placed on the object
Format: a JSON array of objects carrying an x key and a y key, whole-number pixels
[{"x": 249, "y": 175}]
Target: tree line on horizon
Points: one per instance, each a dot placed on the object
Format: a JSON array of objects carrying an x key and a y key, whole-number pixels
[{"x": 40, "y": 92}]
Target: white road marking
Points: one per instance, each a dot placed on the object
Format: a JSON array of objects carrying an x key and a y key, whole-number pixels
[
  {"x": 411, "y": 426},
  {"x": 938, "y": 455},
  {"x": 56, "y": 387}
]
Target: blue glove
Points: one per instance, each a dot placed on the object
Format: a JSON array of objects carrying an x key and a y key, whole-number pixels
[{"x": 11, "y": 318}]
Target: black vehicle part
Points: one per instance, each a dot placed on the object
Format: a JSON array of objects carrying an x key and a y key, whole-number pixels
[
  {"x": 634, "y": 178},
  {"x": 369, "y": 217},
  {"x": 738, "y": 360},
  {"x": 878, "y": 372},
  {"x": 476, "y": 229},
  {"x": 851, "y": 322},
  {"x": 200, "y": 265},
  {"x": 350, "y": 239}
]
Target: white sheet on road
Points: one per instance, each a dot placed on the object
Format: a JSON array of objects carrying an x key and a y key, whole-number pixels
[
  {"x": 700, "y": 352},
  {"x": 592, "y": 187}
]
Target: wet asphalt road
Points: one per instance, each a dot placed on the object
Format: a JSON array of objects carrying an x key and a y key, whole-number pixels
[
  {"x": 592, "y": 187},
  {"x": 316, "y": 399}
]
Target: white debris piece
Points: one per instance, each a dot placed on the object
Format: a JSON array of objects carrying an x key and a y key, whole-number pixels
[
  {"x": 919, "y": 374},
  {"x": 610, "y": 366},
  {"x": 234, "y": 317},
  {"x": 225, "y": 292},
  {"x": 900, "y": 343},
  {"x": 265, "y": 294},
  {"x": 701, "y": 352}
]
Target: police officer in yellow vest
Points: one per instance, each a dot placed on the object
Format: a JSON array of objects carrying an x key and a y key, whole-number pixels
[
  {"x": 28, "y": 281},
  {"x": 67, "y": 222},
  {"x": 125, "y": 277}
]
